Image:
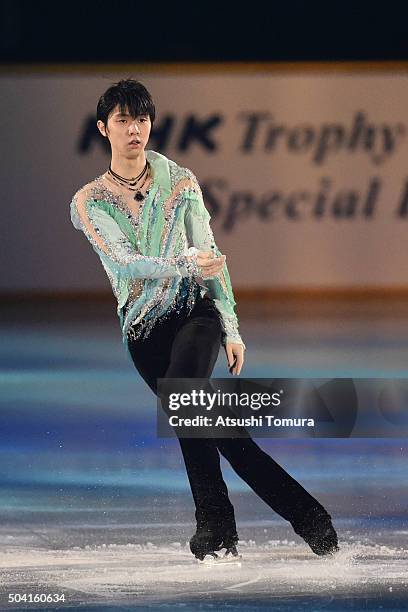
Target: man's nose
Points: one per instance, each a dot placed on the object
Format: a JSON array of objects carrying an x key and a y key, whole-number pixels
[{"x": 134, "y": 127}]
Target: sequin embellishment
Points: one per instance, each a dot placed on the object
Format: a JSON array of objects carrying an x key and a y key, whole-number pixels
[{"x": 145, "y": 302}]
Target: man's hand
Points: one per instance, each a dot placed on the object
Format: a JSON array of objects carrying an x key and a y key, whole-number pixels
[
  {"x": 235, "y": 357},
  {"x": 208, "y": 264}
]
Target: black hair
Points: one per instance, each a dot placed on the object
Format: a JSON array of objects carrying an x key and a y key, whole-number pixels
[{"x": 131, "y": 95}]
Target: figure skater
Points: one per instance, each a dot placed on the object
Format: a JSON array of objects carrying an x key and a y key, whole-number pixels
[{"x": 146, "y": 219}]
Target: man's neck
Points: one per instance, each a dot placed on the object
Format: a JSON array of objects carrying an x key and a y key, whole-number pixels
[{"x": 128, "y": 168}]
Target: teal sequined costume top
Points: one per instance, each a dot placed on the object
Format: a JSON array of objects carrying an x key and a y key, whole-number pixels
[{"x": 143, "y": 247}]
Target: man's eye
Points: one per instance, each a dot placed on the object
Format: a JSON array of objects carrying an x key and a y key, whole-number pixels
[
  {"x": 143, "y": 119},
  {"x": 122, "y": 120}
]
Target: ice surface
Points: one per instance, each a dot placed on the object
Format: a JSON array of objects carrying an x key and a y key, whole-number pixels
[
  {"x": 282, "y": 572},
  {"x": 93, "y": 505}
]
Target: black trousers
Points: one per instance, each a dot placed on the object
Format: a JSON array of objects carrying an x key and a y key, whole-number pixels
[{"x": 187, "y": 346}]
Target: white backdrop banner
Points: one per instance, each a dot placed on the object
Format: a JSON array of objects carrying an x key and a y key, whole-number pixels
[{"x": 305, "y": 175}]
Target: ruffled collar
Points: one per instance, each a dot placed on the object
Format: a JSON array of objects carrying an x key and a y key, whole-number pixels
[{"x": 161, "y": 171}]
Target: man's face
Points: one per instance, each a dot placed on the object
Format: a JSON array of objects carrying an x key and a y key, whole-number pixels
[{"x": 127, "y": 135}]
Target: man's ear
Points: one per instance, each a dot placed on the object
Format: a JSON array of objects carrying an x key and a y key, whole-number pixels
[{"x": 101, "y": 127}]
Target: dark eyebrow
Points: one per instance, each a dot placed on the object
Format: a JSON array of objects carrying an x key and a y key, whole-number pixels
[{"x": 127, "y": 115}]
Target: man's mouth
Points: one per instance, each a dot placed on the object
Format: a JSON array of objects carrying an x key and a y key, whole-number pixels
[{"x": 134, "y": 142}]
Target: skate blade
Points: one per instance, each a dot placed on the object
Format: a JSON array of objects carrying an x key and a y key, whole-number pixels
[{"x": 214, "y": 559}]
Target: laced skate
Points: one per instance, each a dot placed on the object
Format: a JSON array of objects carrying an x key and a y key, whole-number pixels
[{"x": 210, "y": 537}]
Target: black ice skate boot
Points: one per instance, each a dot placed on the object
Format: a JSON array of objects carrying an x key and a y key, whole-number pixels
[
  {"x": 317, "y": 530},
  {"x": 211, "y": 536}
]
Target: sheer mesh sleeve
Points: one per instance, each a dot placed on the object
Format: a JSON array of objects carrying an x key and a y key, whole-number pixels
[
  {"x": 200, "y": 235},
  {"x": 114, "y": 241}
]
